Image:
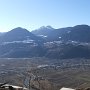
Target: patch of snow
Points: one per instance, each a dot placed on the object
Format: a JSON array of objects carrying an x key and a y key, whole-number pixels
[
  {"x": 42, "y": 66},
  {"x": 28, "y": 41},
  {"x": 60, "y": 37},
  {"x": 24, "y": 41},
  {"x": 68, "y": 31},
  {"x": 42, "y": 36},
  {"x": 2, "y": 65},
  {"x": 58, "y": 42},
  {"x": 45, "y": 36}
]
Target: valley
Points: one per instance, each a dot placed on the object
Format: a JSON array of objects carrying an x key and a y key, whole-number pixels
[
  {"x": 55, "y": 72},
  {"x": 47, "y": 58}
]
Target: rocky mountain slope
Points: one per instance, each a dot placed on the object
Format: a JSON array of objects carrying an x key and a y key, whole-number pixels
[
  {"x": 69, "y": 42},
  {"x": 77, "y": 33}
]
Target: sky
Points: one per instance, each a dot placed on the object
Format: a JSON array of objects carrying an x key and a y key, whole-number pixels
[{"x": 32, "y": 14}]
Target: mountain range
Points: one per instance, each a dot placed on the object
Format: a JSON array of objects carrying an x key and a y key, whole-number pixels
[
  {"x": 43, "y": 30},
  {"x": 68, "y": 42},
  {"x": 76, "y": 33}
]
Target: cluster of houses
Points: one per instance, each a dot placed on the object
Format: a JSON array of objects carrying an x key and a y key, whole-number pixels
[{"x": 6, "y": 86}]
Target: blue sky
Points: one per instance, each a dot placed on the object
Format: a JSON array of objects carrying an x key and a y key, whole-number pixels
[{"x": 32, "y": 14}]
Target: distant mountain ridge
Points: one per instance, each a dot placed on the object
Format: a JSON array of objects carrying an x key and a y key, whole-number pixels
[
  {"x": 18, "y": 34},
  {"x": 2, "y": 33},
  {"x": 69, "y": 42},
  {"x": 43, "y": 30},
  {"x": 77, "y": 33}
]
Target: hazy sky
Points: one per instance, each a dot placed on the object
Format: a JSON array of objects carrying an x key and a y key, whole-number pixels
[{"x": 32, "y": 14}]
